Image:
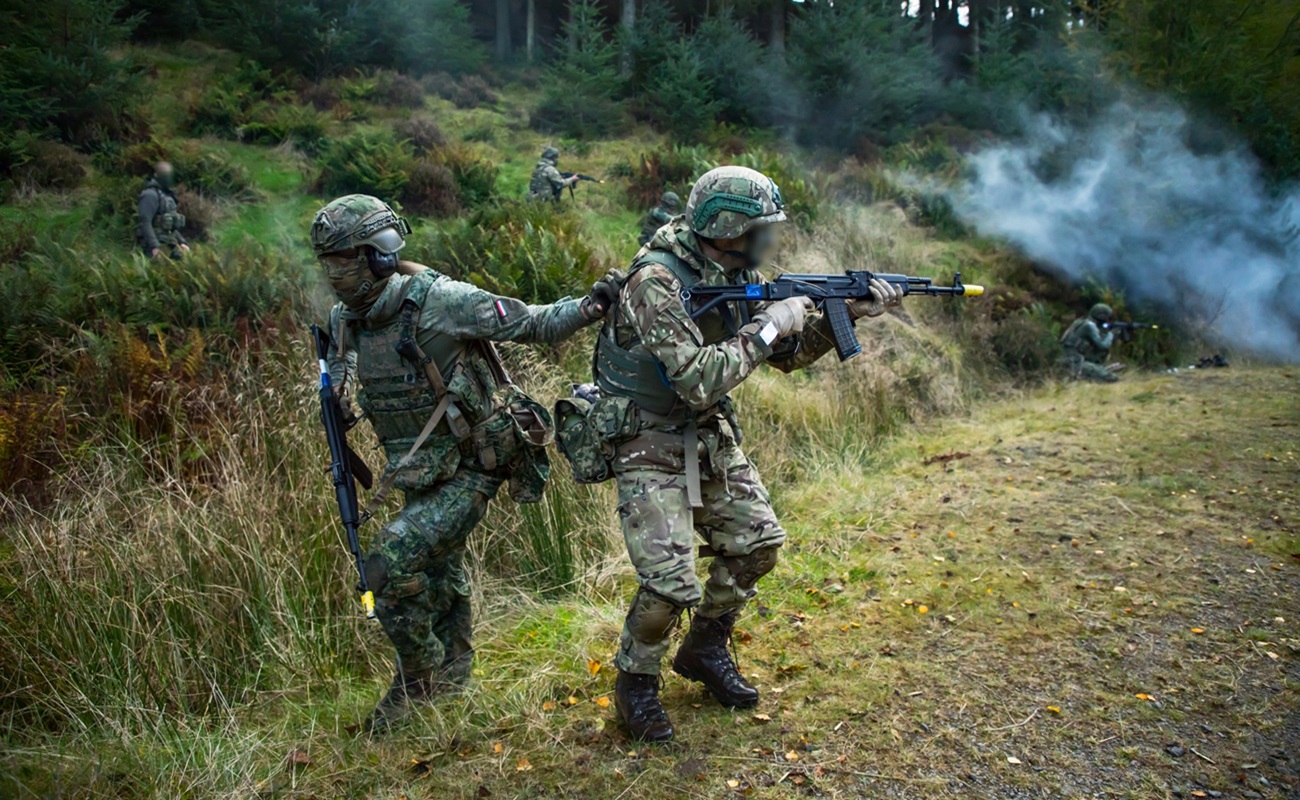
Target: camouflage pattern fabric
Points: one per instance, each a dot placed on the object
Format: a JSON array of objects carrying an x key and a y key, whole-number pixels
[
  {"x": 546, "y": 183},
  {"x": 659, "y": 527},
  {"x": 1086, "y": 349},
  {"x": 416, "y": 560},
  {"x": 653, "y": 220},
  {"x": 702, "y": 362},
  {"x": 727, "y": 201}
]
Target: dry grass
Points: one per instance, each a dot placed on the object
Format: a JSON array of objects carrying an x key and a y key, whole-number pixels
[{"x": 1063, "y": 564}]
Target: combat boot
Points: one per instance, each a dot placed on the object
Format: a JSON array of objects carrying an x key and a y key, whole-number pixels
[
  {"x": 703, "y": 657},
  {"x": 637, "y": 699},
  {"x": 396, "y": 702}
]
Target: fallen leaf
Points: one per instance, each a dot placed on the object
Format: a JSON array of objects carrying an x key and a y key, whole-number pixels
[
  {"x": 420, "y": 768},
  {"x": 298, "y": 758},
  {"x": 1199, "y": 793},
  {"x": 792, "y": 756},
  {"x": 1054, "y": 709},
  {"x": 573, "y": 701},
  {"x": 523, "y": 766},
  {"x": 483, "y": 791},
  {"x": 593, "y": 666},
  {"x": 549, "y": 705},
  {"x": 1012, "y": 760},
  {"x": 497, "y": 747},
  {"x": 1143, "y": 696},
  {"x": 1198, "y": 630},
  {"x": 923, "y": 609},
  {"x": 762, "y": 718},
  {"x": 603, "y": 702},
  {"x": 732, "y": 783}
]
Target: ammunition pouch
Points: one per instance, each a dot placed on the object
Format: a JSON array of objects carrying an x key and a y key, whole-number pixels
[
  {"x": 589, "y": 433},
  {"x": 514, "y": 441}
]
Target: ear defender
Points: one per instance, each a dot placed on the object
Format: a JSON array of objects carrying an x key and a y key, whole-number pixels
[{"x": 381, "y": 264}]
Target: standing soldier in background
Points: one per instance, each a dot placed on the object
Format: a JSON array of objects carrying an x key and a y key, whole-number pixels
[
  {"x": 659, "y": 216},
  {"x": 453, "y": 426},
  {"x": 547, "y": 183},
  {"x": 678, "y": 465},
  {"x": 158, "y": 220},
  {"x": 1086, "y": 347}
]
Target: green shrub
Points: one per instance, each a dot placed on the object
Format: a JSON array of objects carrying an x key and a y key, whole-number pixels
[
  {"x": 302, "y": 126},
  {"x": 51, "y": 165},
  {"x": 750, "y": 86},
  {"x": 527, "y": 250},
  {"x": 435, "y": 36},
  {"x": 423, "y": 132},
  {"x": 802, "y": 203},
  {"x": 367, "y": 162},
  {"x": 476, "y": 178},
  {"x": 238, "y": 98},
  {"x": 583, "y": 80},
  {"x": 466, "y": 91},
  {"x": 432, "y": 190},
  {"x": 397, "y": 90},
  {"x": 670, "y": 168}
]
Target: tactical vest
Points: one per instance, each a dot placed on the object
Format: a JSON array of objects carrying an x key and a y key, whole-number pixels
[
  {"x": 1074, "y": 342},
  {"x": 634, "y": 373},
  {"x": 539, "y": 186},
  {"x": 436, "y": 401},
  {"x": 168, "y": 219}
]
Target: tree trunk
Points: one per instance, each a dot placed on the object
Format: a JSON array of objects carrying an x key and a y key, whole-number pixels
[
  {"x": 628, "y": 24},
  {"x": 503, "y": 47},
  {"x": 776, "y": 31},
  {"x": 530, "y": 39}
]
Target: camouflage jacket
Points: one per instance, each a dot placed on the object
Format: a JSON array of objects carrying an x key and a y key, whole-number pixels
[
  {"x": 546, "y": 183},
  {"x": 1084, "y": 339},
  {"x": 653, "y": 220},
  {"x": 455, "y": 326},
  {"x": 701, "y": 369}
]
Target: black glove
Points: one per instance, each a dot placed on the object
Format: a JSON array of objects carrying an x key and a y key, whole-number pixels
[{"x": 604, "y": 294}]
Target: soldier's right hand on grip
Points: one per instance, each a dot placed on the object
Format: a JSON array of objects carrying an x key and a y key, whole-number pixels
[{"x": 787, "y": 315}]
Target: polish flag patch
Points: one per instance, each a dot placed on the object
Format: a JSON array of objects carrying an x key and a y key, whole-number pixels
[{"x": 501, "y": 309}]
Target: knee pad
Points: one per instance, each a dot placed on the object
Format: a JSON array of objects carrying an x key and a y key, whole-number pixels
[
  {"x": 652, "y": 617},
  {"x": 747, "y": 569}
]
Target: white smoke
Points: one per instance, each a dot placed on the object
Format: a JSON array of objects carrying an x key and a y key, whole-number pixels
[{"x": 1127, "y": 202}]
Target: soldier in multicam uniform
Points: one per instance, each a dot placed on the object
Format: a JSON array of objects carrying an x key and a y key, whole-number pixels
[
  {"x": 547, "y": 183},
  {"x": 420, "y": 346},
  {"x": 659, "y": 216},
  {"x": 682, "y": 471},
  {"x": 158, "y": 219},
  {"x": 1086, "y": 347}
]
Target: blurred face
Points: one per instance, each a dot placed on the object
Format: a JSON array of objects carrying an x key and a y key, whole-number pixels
[
  {"x": 166, "y": 176},
  {"x": 761, "y": 244}
]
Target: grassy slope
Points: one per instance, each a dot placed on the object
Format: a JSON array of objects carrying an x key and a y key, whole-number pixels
[{"x": 1065, "y": 557}]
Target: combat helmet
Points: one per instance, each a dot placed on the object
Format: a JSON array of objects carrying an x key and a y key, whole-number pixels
[
  {"x": 358, "y": 221},
  {"x": 728, "y": 202},
  {"x": 670, "y": 201},
  {"x": 1101, "y": 312},
  {"x": 551, "y": 155}
]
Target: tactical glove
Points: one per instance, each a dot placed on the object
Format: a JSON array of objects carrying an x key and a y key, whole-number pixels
[
  {"x": 784, "y": 317},
  {"x": 883, "y": 296},
  {"x": 604, "y": 294}
]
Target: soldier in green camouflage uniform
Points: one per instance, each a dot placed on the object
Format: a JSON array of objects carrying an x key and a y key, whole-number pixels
[
  {"x": 1086, "y": 347},
  {"x": 158, "y": 219},
  {"x": 419, "y": 347},
  {"x": 681, "y": 472},
  {"x": 547, "y": 183},
  {"x": 659, "y": 216}
]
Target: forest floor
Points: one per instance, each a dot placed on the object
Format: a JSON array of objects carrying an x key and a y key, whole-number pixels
[{"x": 1084, "y": 591}]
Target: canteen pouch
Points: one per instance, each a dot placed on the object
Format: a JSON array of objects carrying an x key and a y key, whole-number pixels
[{"x": 588, "y": 432}]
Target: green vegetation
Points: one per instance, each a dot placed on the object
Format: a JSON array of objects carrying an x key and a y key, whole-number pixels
[{"x": 179, "y": 619}]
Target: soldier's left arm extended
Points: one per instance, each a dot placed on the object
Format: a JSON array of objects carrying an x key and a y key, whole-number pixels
[{"x": 468, "y": 312}]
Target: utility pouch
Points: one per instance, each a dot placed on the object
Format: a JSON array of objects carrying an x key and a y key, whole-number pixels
[{"x": 589, "y": 428}]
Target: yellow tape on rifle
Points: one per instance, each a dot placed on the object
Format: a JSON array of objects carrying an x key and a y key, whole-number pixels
[
  {"x": 973, "y": 291},
  {"x": 368, "y": 604}
]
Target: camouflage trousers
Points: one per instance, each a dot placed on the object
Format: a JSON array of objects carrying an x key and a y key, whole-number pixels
[
  {"x": 736, "y": 522},
  {"x": 416, "y": 568},
  {"x": 1082, "y": 368}
]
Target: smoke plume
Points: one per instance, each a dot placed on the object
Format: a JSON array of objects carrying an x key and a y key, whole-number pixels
[{"x": 1126, "y": 201}]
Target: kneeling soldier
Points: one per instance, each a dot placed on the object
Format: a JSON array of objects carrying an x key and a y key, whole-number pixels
[{"x": 680, "y": 470}]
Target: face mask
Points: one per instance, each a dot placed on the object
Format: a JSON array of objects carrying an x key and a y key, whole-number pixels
[{"x": 353, "y": 282}]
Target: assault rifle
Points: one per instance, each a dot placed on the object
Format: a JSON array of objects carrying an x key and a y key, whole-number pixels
[
  {"x": 1126, "y": 329},
  {"x": 346, "y": 467},
  {"x": 579, "y": 176},
  {"x": 828, "y": 293}
]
